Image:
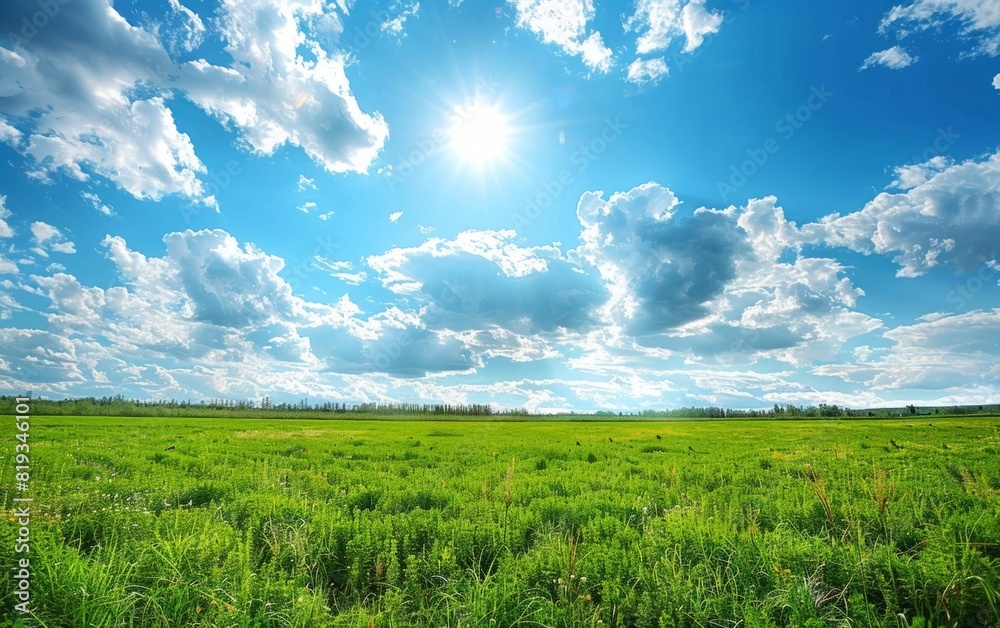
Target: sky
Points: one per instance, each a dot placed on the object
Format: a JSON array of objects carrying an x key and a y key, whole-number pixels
[{"x": 556, "y": 205}]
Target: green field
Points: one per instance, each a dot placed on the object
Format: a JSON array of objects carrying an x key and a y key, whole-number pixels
[{"x": 214, "y": 522}]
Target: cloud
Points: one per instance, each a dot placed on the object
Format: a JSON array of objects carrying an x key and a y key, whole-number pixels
[
  {"x": 5, "y": 230},
  {"x": 395, "y": 25},
  {"x": 90, "y": 94},
  {"x": 946, "y": 216},
  {"x": 72, "y": 94},
  {"x": 643, "y": 71},
  {"x": 182, "y": 31},
  {"x": 272, "y": 96},
  {"x": 663, "y": 269},
  {"x": 564, "y": 23},
  {"x": 710, "y": 284},
  {"x": 483, "y": 279},
  {"x": 894, "y": 58},
  {"x": 306, "y": 207},
  {"x": 946, "y": 352},
  {"x": 395, "y": 216},
  {"x": 996, "y": 81},
  {"x": 98, "y": 204},
  {"x": 306, "y": 183},
  {"x": 339, "y": 270},
  {"x": 977, "y": 20},
  {"x": 659, "y": 22},
  {"x": 48, "y": 238},
  {"x": 8, "y": 134},
  {"x": 212, "y": 302}
]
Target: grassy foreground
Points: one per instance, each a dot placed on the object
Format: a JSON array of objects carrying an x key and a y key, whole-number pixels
[{"x": 213, "y": 522}]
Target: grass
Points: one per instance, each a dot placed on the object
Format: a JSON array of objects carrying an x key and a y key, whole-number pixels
[{"x": 214, "y": 522}]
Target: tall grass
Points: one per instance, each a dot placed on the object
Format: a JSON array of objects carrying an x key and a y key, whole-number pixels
[{"x": 159, "y": 522}]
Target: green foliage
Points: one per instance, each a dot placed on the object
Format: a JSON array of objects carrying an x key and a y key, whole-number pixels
[{"x": 208, "y": 522}]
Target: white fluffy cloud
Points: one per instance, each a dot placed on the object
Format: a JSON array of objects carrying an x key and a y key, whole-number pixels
[
  {"x": 48, "y": 238},
  {"x": 940, "y": 353},
  {"x": 565, "y": 24},
  {"x": 948, "y": 215},
  {"x": 211, "y": 303},
  {"x": 977, "y": 20},
  {"x": 72, "y": 95},
  {"x": 709, "y": 284},
  {"x": 272, "y": 96},
  {"x": 183, "y": 30},
  {"x": 895, "y": 58},
  {"x": 659, "y": 22},
  {"x": 5, "y": 230},
  {"x": 89, "y": 95},
  {"x": 483, "y": 279}
]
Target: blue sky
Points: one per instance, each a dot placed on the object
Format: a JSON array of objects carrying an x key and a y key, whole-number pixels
[{"x": 558, "y": 205}]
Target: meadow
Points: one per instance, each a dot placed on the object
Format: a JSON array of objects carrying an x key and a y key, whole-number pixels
[{"x": 231, "y": 522}]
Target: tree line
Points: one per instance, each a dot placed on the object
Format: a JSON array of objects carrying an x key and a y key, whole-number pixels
[{"x": 118, "y": 405}]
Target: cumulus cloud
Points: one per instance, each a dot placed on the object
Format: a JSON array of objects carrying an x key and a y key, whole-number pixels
[
  {"x": 947, "y": 214},
  {"x": 90, "y": 94},
  {"x": 977, "y": 20},
  {"x": 710, "y": 283},
  {"x": 996, "y": 81},
  {"x": 565, "y": 24},
  {"x": 663, "y": 269},
  {"x": 212, "y": 302},
  {"x": 395, "y": 216},
  {"x": 895, "y": 58},
  {"x": 659, "y": 22},
  {"x": 182, "y": 31},
  {"x": 75, "y": 77},
  {"x": 482, "y": 279},
  {"x": 306, "y": 183},
  {"x": 940, "y": 353},
  {"x": 272, "y": 96},
  {"x": 48, "y": 238}
]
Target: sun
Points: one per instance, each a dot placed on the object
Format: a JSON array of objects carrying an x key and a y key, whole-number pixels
[{"x": 479, "y": 135}]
